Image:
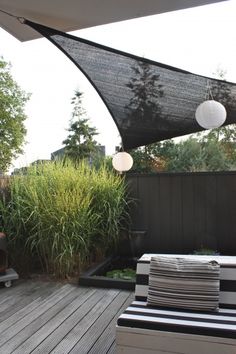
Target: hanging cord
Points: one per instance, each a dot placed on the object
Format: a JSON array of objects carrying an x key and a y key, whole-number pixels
[
  {"x": 209, "y": 95},
  {"x": 20, "y": 19}
]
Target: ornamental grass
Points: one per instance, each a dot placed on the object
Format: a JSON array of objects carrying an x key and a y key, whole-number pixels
[{"x": 58, "y": 216}]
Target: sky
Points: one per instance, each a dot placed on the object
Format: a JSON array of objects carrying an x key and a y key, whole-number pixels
[{"x": 199, "y": 40}]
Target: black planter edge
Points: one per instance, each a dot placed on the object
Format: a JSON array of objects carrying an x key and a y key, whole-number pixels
[{"x": 89, "y": 278}]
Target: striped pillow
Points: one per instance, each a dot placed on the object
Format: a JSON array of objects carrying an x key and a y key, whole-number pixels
[{"x": 184, "y": 283}]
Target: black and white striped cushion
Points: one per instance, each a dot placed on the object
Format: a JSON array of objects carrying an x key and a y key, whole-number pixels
[
  {"x": 215, "y": 324},
  {"x": 184, "y": 283},
  {"x": 227, "y": 277}
]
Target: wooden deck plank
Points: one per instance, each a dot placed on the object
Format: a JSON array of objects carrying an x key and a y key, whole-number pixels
[
  {"x": 11, "y": 320},
  {"x": 96, "y": 329},
  {"x": 42, "y": 291},
  {"x": 45, "y": 317},
  {"x": 17, "y": 288},
  {"x": 36, "y": 333},
  {"x": 7, "y": 294},
  {"x": 107, "y": 339},
  {"x": 28, "y": 338},
  {"x": 44, "y": 306},
  {"x": 112, "y": 349},
  {"x": 82, "y": 326},
  {"x": 57, "y": 336}
]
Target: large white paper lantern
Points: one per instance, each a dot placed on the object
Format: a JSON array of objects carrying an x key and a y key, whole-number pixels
[
  {"x": 210, "y": 114},
  {"x": 122, "y": 161}
]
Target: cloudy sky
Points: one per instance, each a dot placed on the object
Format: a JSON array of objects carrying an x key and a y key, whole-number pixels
[{"x": 198, "y": 40}]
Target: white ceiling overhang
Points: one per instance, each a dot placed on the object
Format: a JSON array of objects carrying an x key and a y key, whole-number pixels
[{"x": 70, "y": 15}]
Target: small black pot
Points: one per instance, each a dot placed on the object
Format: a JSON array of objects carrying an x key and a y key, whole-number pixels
[{"x": 138, "y": 242}]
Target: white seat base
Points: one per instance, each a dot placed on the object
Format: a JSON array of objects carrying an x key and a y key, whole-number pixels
[{"x": 143, "y": 341}]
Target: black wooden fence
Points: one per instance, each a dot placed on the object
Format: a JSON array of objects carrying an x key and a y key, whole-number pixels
[{"x": 183, "y": 212}]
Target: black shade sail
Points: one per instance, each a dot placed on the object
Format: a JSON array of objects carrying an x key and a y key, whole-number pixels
[{"x": 148, "y": 101}]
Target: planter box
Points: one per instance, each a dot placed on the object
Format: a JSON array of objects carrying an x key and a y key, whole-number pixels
[{"x": 95, "y": 276}]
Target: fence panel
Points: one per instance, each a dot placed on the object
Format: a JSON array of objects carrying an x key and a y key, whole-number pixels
[{"x": 185, "y": 211}]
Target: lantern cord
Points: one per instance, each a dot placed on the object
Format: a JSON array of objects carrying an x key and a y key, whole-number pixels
[
  {"x": 209, "y": 92},
  {"x": 20, "y": 19}
]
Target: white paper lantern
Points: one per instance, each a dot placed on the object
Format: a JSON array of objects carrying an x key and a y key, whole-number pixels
[
  {"x": 122, "y": 161},
  {"x": 210, "y": 114}
]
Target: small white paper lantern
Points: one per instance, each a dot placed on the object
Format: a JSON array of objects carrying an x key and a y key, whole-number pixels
[
  {"x": 122, "y": 161},
  {"x": 210, "y": 114}
]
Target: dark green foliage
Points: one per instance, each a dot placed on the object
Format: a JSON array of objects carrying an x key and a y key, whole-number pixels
[
  {"x": 202, "y": 153},
  {"x": 192, "y": 155},
  {"x": 225, "y": 136},
  {"x": 124, "y": 274},
  {"x": 206, "y": 252},
  {"x": 12, "y": 117},
  {"x": 80, "y": 143},
  {"x": 152, "y": 157}
]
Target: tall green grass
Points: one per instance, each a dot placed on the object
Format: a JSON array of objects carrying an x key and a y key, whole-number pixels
[{"x": 62, "y": 216}]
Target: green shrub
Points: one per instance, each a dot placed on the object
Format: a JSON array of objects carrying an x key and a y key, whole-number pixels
[
  {"x": 125, "y": 274},
  {"x": 61, "y": 215},
  {"x": 206, "y": 252}
]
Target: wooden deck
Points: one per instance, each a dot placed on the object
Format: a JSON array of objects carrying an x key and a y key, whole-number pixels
[{"x": 47, "y": 317}]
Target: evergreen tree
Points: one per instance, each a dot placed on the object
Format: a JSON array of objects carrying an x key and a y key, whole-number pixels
[{"x": 80, "y": 143}]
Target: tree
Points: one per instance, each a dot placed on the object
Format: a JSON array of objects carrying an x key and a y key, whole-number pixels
[
  {"x": 190, "y": 155},
  {"x": 225, "y": 136},
  {"x": 12, "y": 117},
  {"x": 80, "y": 143},
  {"x": 143, "y": 107},
  {"x": 153, "y": 157},
  {"x": 213, "y": 150}
]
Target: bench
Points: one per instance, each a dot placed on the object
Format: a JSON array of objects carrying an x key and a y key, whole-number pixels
[{"x": 142, "y": 329}]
